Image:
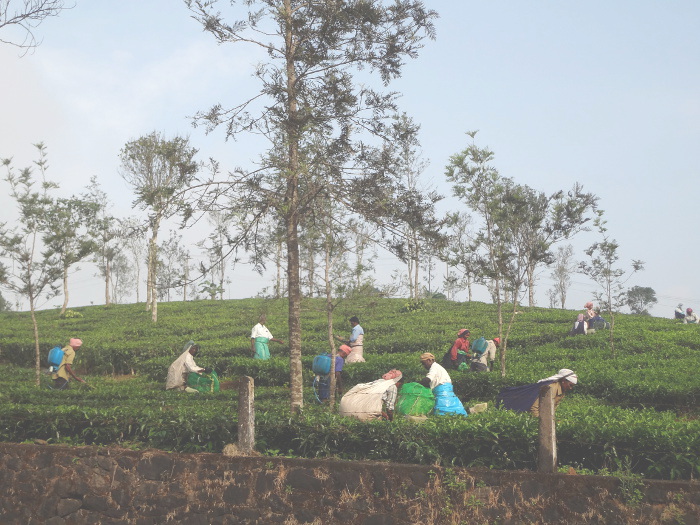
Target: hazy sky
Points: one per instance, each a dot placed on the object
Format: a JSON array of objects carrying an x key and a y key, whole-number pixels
[{"x": 602, "y": 93}]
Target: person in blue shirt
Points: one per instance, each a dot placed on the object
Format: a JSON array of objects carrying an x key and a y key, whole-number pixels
[{"x": 355, "y": 342}]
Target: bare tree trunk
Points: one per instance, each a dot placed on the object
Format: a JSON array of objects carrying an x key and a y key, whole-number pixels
[
  {"x": 65, "y": 290},
  {"x": 153, "y": 262},
  {"x": 37, "y": 353},
  {"x": 329, "y": 316},
  {"x": 222, "y": 277},
  {"x": 138, "y": 279},
  {"x": 416, "y": 270},
  {"x": 186, "y": 278},
  {"x": 108, "y": 278},
  {"x": 531, "y": 285},
  {"x": 278, "y": 283},
  {"x": 149, "y": 277},
  {"x": 292, "y": 222}
]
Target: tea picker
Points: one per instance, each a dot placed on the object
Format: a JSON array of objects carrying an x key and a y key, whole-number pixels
[{"x": 321, "y": 367}]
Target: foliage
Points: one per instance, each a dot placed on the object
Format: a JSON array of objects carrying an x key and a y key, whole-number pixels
[
  {"x": 23, "y": 17},
  {"x": 321, "y": 121},
  {"x": 518, "y": 227},
  {"x": 159, "y": 171},
  {"x": 34, "y": 268},
  {"x": 640, "y": 299},
  {"x": 642, "y": 405},
  {"x": 610, "y": 278}
]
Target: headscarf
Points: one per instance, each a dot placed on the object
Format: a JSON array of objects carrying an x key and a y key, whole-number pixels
[
  {"x": 463, "y": 331},
  {"x": 345, "y": 349},
  {"x": 588, "y": 305},
  {"x": 564, "y": 373},
  {"x": 75, "y": 342},
  {"x": 427, "y": 355},
  {"x": 393, "y": 374}
]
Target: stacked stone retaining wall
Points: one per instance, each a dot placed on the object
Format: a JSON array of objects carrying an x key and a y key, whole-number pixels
[{"x": 59, "y": 485}]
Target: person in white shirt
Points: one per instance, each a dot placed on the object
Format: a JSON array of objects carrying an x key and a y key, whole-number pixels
[
  {"x": 691, "y": 317},
  {"x": 482, "y": 360},
  {"x": 437, "y": 375},
  {"x": 438, "y": 380},
  {"x": 181, "y": 368},
  {"x": 259, "y": 337}
]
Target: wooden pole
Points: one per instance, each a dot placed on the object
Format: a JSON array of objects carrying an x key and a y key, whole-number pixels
[
  {"x": 547, "y": 457},
  {"x": 246, "y": 415}
]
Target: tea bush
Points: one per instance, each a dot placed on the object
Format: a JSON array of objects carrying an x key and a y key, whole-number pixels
[{"x": 639, "y": 407}]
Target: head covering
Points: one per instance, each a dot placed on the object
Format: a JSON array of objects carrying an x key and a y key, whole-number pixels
[
  {"x": 345, "y": 349},
  {"x": 75, "y": 342},
  {"x": 427, "y": 355},
  {"x": 497, "y": 340},
  {"x": 564, "y": 373},
  {"x": 588, "y": 305},
  {"x": 187, "y": 346},
  {"x": 393, "y": 374},
  {"x": 462, "y": 332},
  {"x": 689, "y": 310}
]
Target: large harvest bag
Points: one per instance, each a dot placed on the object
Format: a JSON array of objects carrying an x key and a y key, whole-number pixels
[
  {"x": 364, "y": 401},
  {"x": 203, "y": 383},
  {"x": 446, "y": 402},
  {"x": 415, "y": 400}
]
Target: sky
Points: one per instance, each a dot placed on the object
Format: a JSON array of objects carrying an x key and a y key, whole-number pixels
[{"x": 606, "y": 94}]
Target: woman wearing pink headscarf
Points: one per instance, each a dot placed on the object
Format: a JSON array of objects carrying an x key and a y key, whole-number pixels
[
  {"x": 590, "y": 312},
  {"x": 65, "y": 370}
]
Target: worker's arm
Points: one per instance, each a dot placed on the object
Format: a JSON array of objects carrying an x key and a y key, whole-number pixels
[
  {"x": 425, "y": 382},
  {"x": 453, "y": 350},
  {"x": 277, "y": 340},
  {"x": 69, "y": 369}
]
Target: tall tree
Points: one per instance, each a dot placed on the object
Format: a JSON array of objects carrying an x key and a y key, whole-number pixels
[
  {"x": 308, "y": 91},
  {"x": 459, "y": 251},
  {"x": 33, "y": 271},
  {"x": 159, "y": 172},
  {"x": 132, "y": 235},
  {"x": 640, "y": 299},
  {"x": 562, "y": 268},
  {"x": 19, "y": 19},
  {"x": 603, "y": 270},
  {"x": 170, "y": 269},
  {"x": 549, "y": 219},
  {"x": 69, "y": 222},
  {"x": 104, "y": 232},
  {"x": 403, "y": 138},
  {"x": 123, "y": 276}
]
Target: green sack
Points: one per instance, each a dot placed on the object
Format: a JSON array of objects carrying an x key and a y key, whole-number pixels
[
  {"x": 415, "y": 400},
  {"x": 204, "y": 383}
]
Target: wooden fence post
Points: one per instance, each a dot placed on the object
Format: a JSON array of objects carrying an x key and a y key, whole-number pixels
[
  {"x": 547, "y": 457},
  {"x": 246, "y": 415}
]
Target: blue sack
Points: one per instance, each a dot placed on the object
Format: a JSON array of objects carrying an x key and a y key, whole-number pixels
[
  {"x": 321, "y": 365},
  {"x": 55, "y": 358},
  {"x": 446, "y": 402}
]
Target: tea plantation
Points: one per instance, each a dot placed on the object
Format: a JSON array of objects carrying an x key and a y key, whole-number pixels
[{"x": 637, "y": 411}]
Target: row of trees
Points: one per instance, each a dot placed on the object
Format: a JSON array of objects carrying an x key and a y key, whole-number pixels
[{"x": 341, "y": 174}]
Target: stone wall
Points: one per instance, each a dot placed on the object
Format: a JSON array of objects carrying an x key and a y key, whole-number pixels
[{"x": 65, "y": 485}]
